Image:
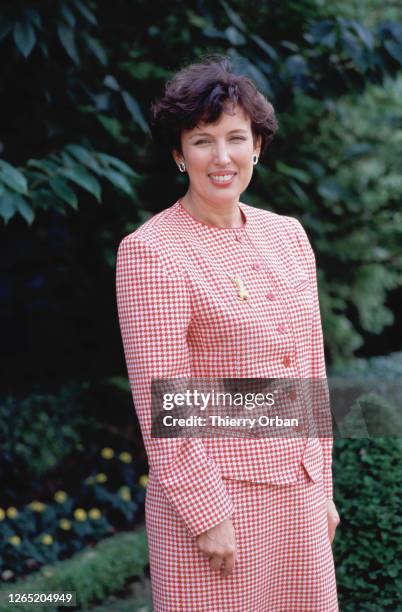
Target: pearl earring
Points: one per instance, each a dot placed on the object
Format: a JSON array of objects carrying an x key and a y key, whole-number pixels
[
  {"x": 255, "y": 159},
  {"x": 182, "y": 166}
]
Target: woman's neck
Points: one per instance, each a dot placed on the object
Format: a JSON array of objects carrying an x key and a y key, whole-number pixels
[{"x": 225, "y": 215}]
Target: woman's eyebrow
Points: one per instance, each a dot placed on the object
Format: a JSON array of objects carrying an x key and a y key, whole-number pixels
[{"x": 208, "y": 134}]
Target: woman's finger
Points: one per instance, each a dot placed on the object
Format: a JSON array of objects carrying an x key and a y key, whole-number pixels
[
  {"x": 215, "y": 563},
  {"x": 229, "y": 563}
]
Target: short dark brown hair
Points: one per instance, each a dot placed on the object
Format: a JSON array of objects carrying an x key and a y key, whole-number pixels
[{"x": 200, "y": 92}]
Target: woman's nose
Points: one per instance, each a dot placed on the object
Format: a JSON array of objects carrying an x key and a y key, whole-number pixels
[{"x": 221, "y": 154}]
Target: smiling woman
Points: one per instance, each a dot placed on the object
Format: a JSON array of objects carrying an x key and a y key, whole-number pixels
[{"x": 213, "y": 287}]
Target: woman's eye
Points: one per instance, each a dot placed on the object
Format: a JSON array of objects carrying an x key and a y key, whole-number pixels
[{"x": 233, "y": 138}]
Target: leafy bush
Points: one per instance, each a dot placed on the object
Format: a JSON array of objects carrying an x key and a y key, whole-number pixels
[
  {"x": 368, "y": 545},
  {"x": 93, "y": 574},
  {"x": 39, "y": 430}
]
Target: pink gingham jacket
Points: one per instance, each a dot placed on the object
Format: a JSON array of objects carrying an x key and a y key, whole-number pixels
[{"x": 181, "y": 315}]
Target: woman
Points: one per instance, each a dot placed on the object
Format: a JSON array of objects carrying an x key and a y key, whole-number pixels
[{"x": 214, "y": 287}]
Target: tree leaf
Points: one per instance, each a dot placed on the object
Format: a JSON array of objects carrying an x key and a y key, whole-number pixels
[
  {"x": 66, "y": 36},
  {"x": 234, "y": 36},
  {"x": 111, "y": 125},
  {"x": 44, "y": 165},
  {"x": 111, "y": 82},
  {"x": 322, "y": 32},
  {"x": 24, "y": 208},
  {"x": 134, "y": 108},
  {"x": 24, "y": 37},
  {"x": 364, "y": 34},
  {"x": 68, "y": 16},
  {"x": 244, "y": 66},
  {"x": 13, "y": 178},
  {"x": 298, "y": 191},
  {"x": 270, "y": 51},
  {"x": 82, "y": 154},
  {"x": 84, "y": 179},
  {"x": 119, "y": 181},
  {"x": 7, "y": 206},
  {"x": 394, "y": 49},
  {"x": 234, "y": 17},
  {"x": 116, "y": 163},
  {"x": 296, "y": 173},
  {"x": 90, "y": 17},
  {"x": 330, "y": 190},
  {"x": 97, "y": 49},
  {"x": 34, "y": 17},
  {"x": 62, "y": 189},
  {"x": 211, "y": 32}
]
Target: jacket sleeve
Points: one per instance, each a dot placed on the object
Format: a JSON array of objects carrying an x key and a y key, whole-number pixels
[
  {"x": 154, "y": 313},
  {"x": 320, "y": 391}
]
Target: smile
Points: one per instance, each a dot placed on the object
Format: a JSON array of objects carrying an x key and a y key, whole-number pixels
[{"x": 222, "y": 179}]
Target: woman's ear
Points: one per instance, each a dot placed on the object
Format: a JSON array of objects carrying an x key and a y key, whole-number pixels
[
  {"x": 257, "y": 145},
  {"x": 177, "y": 156}
]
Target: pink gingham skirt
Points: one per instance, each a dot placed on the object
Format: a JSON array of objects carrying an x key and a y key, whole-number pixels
[{"x": 284, "y": 563}]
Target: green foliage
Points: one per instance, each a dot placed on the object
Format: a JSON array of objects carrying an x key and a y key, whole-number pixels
[
  {"x": 93, "y": 574},
  {"x": 368, "y": 545},
  {"x": 349, "y": 205},
  {"x": 52, "y": 182},
  {"x": 381, "y": 368},
  {"x": 38, "y": 431}
]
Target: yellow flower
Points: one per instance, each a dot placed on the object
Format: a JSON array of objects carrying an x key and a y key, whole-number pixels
[
  {"x": 107, "y": 453},
  {"x": 60, "y": 496},
  {"x": 48, "y": 573},
  {"x": 101, "y": 477},
  {"x": 143, "y": 480},
  {"x": 47, "y": 539},
  {"x": 37, "y": 506},
  {"x": 125, "y": 493},
  {"x": 80, "y": 514},
  {"x": 65, "y": 524},
  {"x": 2, "y": 514},
  {"x": 12, "y": 512},
  {"x": 15, "y": 540},
  {"x": 126, "y": 457},
  {"x": 94, "y": 513}
]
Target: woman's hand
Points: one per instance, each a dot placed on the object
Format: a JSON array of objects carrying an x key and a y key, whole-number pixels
[
  {"x": 219, "y": 544},
  {"x": 333, "y": 519}
]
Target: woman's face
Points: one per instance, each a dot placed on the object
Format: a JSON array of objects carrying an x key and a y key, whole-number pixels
[{"x": 218, "y": 157}]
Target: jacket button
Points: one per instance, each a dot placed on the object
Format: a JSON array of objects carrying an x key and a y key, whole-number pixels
[
  {"x": 270, "y": 296},
  {"x": 292, "y": 395},
  {"x": 256, "y": 266},
  {"x": 282, "y": 329},
  {"x": 239, "y": 237},
  {"x": 286, "y": 361}
]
